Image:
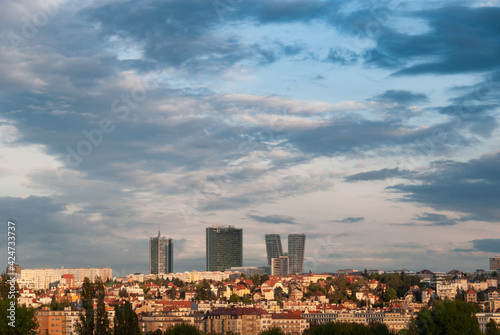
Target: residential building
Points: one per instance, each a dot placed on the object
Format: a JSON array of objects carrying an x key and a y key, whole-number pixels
[
  {"x": 484, "y": 318},
  {"x": 446, "y": 290},
  {"x": 150, "y": 322},
  {"x": 495, "y": 263},
  {"x": 471, "y": 296},
  {"x": 224, "y": 248},
  {"x": 58, "y": 322},
  {"x": 290, "y": 323},
  {"x": 296, "y": 246},
  {"x": 161, "y": 255},
  {"x": 280, "y": 266},
  {"x": 38, "y": 279},
  {"x": 273, "y": 247},
  {"x": 245, "y": 321}
]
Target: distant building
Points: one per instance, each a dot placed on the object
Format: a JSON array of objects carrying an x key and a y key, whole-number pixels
[
  {"x": 14, "y": 269},
  {"x": 38, "y": 279},
  {"x": 224, "y": 248},
  {"x": 296, "y": 246},
  {"x": 495, "y": 263},
  {"x": 161, "y": 255},
  {"x": 250, "y": 271},
  {"x": 471, "y": 296},
  {"x": 280, "y": 266},
  {"x": 273, "y": 247}
]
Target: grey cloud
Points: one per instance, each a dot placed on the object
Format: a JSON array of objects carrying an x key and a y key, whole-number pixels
[
  {"x": 382, "y": 174},
  {"x": 342, "y": 56},
  {"x": 487, "y": 245},
  {"x": 462, "y": 250},
  {"x": 435, "y": 219},
  {"x": 472, "y": 188},
  {"x": 401, "y": 97},
  {"x": 274, "y": 219},
  {"x": 462, "y": 39},
  {"x": 350, "y": 134},
  {"x": 350, "y": 219}
]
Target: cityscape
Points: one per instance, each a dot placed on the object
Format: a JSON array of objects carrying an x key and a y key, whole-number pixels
[
  {"x": 232, "y": 298},
  {"x": 253, "y": 167}
]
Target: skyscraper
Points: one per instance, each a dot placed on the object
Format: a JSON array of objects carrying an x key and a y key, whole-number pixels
[
  {"x": 224, "y": 248},
  {"x": 161, "y": 255},
  {"x": 296, "y": 246},
  {"x": 273, "y": 247}
]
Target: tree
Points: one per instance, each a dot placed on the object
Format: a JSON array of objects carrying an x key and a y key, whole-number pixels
[
  {"x": 447, "y": 318},
  {"x": 25, "y": 321},
  {"x": 341, "y": 328},
  {"x": 126, "y": 320},
  {"x": 390, "y": 294},
  {"x": 273, "y": 331},
  {"x": 234, "y": 298},
  {"x": 182, "y": 329},
  {"x": 123, "y": 293},
  {"x": 173, "y": 293},
  {"x": 93, "y": 322},
  {"x": 5, "y": 286},
  {"x": 102, "y": 326},
  {"x": 492, "y": 328},
  {"x": 85, "y": 325}
]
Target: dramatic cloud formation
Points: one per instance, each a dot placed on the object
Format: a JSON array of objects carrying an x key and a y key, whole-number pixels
[{"x": 120, "y": 116}]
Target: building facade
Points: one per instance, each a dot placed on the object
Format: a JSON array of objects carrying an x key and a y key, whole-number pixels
[
  {"x": 296, "y": 246},
  {"x": 38, "y": 279},
  {"x": 495, "y": 263},
  {"x": 273, "y": 247},
  {"x": 280, "y": 266},
  {"x": 224, "y": 248},
  {"x": 161, "y": 255}
]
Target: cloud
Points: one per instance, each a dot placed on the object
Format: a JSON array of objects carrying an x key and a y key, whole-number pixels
[
  {"x": 342, "y": 56},
  {"x": 379, "y": 175},
  {"x": 350, "y": 219},
  {"x": 401, "y": 97},
  {"x": 459, "y": 40},
  {"x": 435, "y": 219},
  {"x": 274, "y": 219},
  {"x": 487, "y": 245},
  {"x": 471, "y": 187}
]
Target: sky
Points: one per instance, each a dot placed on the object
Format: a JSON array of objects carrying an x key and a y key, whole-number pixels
[{"x": 370, "y": 126}]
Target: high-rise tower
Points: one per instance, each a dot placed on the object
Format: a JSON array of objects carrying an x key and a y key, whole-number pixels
[
  {"x": 224, "y": 248},
  {"x": 296, "y": 246},
  {"x": 161, "y": 254},
  {"x": 273, "y": 247}
]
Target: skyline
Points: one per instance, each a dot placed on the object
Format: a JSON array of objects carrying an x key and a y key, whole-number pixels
[{"x": 370, "y": 127}]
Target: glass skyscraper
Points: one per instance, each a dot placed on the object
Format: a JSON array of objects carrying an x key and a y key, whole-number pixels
[
  {"x": 161, "y": 255},
  {"x": 296, "y": 246},
  {"x": 224, "y": 248},
  {"x": 273, "y": 247}
]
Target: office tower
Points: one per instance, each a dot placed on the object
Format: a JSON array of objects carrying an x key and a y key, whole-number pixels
[
  {"x": 161, "y": 255},
  {"x": 224, "y": 248},
  {"x": 495, "y": 263},
  {"x": 273, "y": 247},
  {"x": 280, "y": 266},
  {"x": 296, "y": 245}
]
